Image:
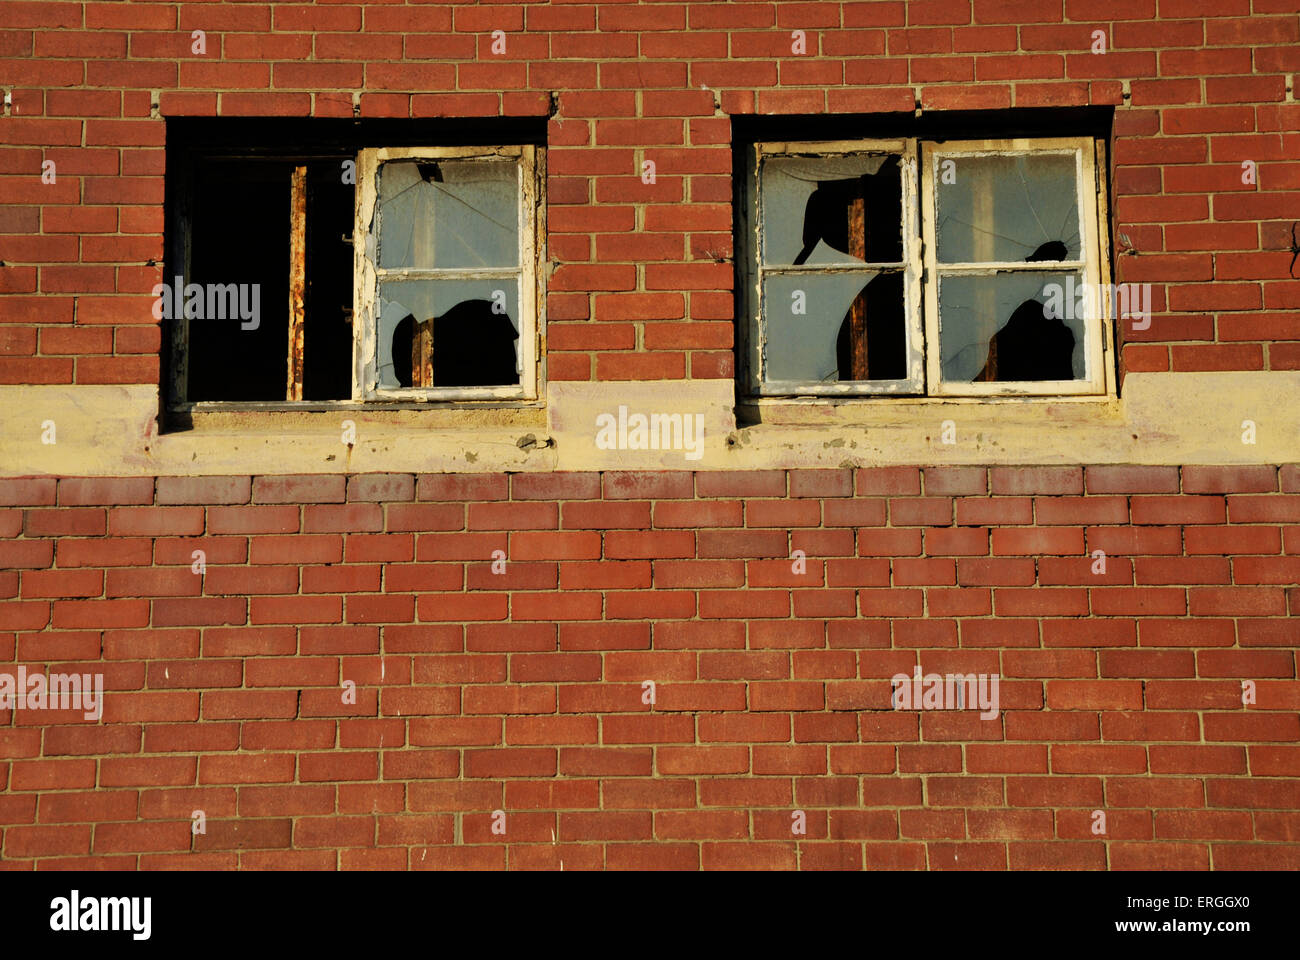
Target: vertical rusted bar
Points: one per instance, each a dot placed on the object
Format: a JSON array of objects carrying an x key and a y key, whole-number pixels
[
  {"x": 422, "y": 354},
  {"x": 858, "y": 311},
  {"x": 297, "y": 278}
]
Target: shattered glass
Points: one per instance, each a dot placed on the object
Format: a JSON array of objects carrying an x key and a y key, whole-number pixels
[
  {"x": 808, "y": 325},
  {"x": 1009, "y": 327},
  {"x": 1007, "y": 208},
  {"x": 475, "y": 331},
  {"x": 807, "y": 211},
  {"x": 450, "y": 214}
]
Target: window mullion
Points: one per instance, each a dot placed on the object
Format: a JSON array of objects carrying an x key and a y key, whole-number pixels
[{"x": 930, "y": 270}]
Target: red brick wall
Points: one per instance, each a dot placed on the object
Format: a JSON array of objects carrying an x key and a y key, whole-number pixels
[
  {"x": 522, "y": 691},
  {"x": 1209, "y": 86}
]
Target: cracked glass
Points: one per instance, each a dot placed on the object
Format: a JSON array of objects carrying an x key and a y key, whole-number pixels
[
  {"x": 1005, "y": 209},
  {"x": 1011, "y": 327},
  {"x": 448, "y": 214}
]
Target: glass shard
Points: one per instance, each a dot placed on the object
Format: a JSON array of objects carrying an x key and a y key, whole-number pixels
[
  {"x": 835, "y": 327},
  {"x": 473, "y": 334}
]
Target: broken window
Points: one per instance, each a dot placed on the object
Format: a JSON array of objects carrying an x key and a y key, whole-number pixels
[
  {"x": 445, "y": 272},
  {"x": 352, "y": 274},
  {"x": 987, "y": 280},
  {"x": 835, "y": 245}
]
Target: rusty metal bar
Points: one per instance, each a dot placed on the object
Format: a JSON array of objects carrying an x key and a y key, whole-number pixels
[
  {"x": 858, "y": 311},
  {"x": 297, "y": 279},
  {"x": 422, "y": 354}
]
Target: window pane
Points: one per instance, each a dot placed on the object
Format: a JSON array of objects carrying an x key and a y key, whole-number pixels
[
  {"x": 475, "y": 332},
  {"x": 832, "y": 210},
  {"x": 1012, "y": 327},
  {"x": 810, "y": 326},
  {"x": 1007, "y": 208},
  {"x": 448, "y": 213}
]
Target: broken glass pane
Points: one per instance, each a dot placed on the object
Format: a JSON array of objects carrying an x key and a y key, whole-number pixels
[
  {"x": 811, "y": 325},
  {"x": 448, "y": 213},
  {"x": 1007, "y": 208},
  {"x": 1012, "y": 327},
  {"x": 473, "y": 337},
  {"x": 837, "y": 209}
]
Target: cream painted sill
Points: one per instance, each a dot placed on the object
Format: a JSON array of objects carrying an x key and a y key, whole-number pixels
[
  {"x": 213, "y": 420},
  {"x": 1162, "y": 418}
]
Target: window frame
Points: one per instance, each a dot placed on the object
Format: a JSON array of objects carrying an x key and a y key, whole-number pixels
[
  {"x": 921, "y": 156},
  {"x": 754, "y": 336},
  {"x": 529, "y": 161},
  {"x": 1098, "y": 378}
]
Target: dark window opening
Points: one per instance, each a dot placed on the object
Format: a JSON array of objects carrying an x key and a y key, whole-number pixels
[{"x": 240, "y": 234}]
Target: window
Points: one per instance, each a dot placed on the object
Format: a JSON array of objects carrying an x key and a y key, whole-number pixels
[
  {"x": 314, "y": 268},
  {"x": 445, "y": 273},
  {"x": 924, "y": 268}
]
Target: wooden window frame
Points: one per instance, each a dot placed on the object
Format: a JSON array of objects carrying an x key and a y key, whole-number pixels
[
  {"x": 754, "y": 334},
  {"x": 1098, "y": 374},
  {"x": 921, "y": 158},
  {"x": 529, "y": 160}
]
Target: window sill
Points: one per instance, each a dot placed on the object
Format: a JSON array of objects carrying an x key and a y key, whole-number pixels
[
  {"x": 1220, "y": 417},
  {"x": 893, "y": 411},
  {"x": 328, "y": 416}
]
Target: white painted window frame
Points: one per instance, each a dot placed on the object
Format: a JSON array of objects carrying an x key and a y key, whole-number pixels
[
  {"x": 754, "y": 335},
  {"x": 1099, "y": 331},
  {"x": 367, "y": 274},
  {"x": 921, "y": 284}
]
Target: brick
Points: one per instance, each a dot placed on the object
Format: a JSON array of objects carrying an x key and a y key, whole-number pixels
[
  {"x": 1053, "y": 481},
  {"x": 557, "y": 486},
  {"x": 299, "y": 489},
  {"x": 950, "y": 481},
  {"x": 1254, "y": 479},
  {"x": 760, "y": 483},
  {"x": 204, "y": 490},
  {"x": 1185, "y": 510},
  {"x": 1037, "y": 542},
  {"x": 88, "y": 491},
  {"x": 1132, "y": 479}
]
